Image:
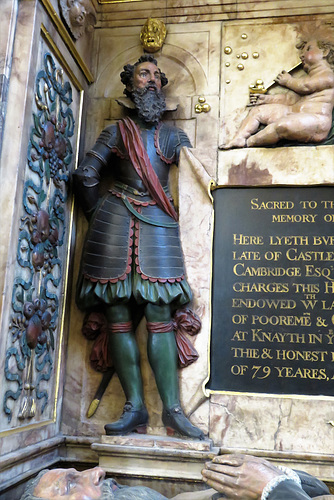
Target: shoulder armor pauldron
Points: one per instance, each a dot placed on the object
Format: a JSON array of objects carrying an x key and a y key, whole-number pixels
[
  {"x": 111, "y": 138},
  {"x": 168, "y": 141}
]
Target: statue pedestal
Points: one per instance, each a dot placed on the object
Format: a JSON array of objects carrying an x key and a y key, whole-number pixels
[{"x": 154, "y": 456}]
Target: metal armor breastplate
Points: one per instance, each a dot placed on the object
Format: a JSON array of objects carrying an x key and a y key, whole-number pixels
[
  {"x": 157, "y": 252},
  {"x": 126, "y": 174}
]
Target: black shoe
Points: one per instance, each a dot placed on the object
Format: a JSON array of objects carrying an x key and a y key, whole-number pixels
[
  {"x": 131, "y": 421},
  {"x": 175, "y": 420}
]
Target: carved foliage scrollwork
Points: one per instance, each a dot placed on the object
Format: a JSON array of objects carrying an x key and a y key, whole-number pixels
[{"x": 37, "y": 288}]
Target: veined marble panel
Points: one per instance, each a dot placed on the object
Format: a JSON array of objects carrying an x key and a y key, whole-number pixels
[
  {"x": 162, "y": 457},
  {"x": 291, "y": 430},
  {"x": 300, "y": 166},
  {"x": 10, "y": 158},
  {"x": 113, "y": 15},
  {"x": 7, "y": 30}
]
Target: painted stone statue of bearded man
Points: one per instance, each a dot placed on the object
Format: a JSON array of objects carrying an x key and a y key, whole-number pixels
[{"x": 132, "y": 258}]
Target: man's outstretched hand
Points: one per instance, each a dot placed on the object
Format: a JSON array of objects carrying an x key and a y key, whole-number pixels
[{"x": 239, "y": 477}]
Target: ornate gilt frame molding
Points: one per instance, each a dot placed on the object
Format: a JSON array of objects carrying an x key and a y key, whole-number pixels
[
  {"x": 102, "y": 2},
  {"x": 67, "y": 40},
  {"x": 60, "y": 57}
]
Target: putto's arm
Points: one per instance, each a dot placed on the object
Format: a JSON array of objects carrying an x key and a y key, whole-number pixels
[
  {"x": 307, "y": 84},
  {"x": 86, "y": 178}
]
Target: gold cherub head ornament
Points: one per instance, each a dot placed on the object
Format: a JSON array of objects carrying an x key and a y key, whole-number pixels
[{"x": 152, "y": 35}]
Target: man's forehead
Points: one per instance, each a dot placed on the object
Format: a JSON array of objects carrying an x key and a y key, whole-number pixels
[
  {"x": 57, "y": 474},
  {"x": 146, "y": 65}
]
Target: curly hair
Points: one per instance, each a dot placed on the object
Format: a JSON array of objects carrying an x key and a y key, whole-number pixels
[
  {"x": 127, "y": 74},
  {"x": 322, "y": 33}
]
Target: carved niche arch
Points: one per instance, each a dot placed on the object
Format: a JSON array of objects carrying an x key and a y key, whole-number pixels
[{"x": 185, "y": 73}]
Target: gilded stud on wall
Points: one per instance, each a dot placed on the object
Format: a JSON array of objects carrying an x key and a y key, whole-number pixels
[{"x": 243, "y": 55}]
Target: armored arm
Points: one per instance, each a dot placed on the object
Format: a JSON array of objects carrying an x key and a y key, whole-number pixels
[
  {"x": 169, "y": 142},
  {"x": 288, "y": 489},
  {"x": 86, "y": 178},
  {"x": 183, "y": 140}
]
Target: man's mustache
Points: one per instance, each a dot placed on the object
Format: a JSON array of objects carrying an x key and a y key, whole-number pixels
[
  {"x": 151, "y": 85},
  {"x": 147, "y": 88}
]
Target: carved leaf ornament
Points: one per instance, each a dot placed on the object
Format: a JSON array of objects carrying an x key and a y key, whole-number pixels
[{"x": 38, "y": 280}]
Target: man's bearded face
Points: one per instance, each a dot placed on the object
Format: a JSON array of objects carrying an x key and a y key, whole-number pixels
[
  {"x": 150, "y": 104},
  {"x": 146, "y": 92}
]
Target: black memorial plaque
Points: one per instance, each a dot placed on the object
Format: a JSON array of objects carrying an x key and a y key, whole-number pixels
[{"x": 273, "y": 291}]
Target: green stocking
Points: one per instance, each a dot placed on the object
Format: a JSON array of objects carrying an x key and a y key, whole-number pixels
[
  {"x": 125, "y": 355},
  {"x": 162, "y": 355}
]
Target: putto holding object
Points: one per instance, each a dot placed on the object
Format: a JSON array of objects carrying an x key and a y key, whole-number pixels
[{"x": 303, "y": 115}]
